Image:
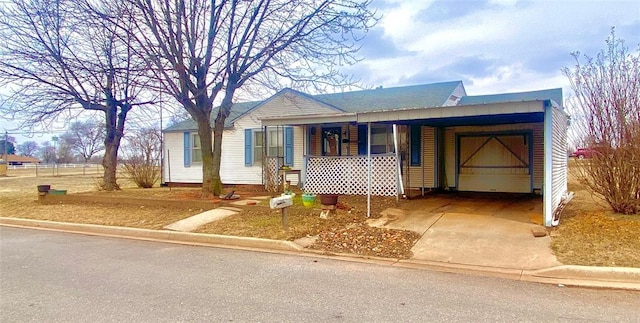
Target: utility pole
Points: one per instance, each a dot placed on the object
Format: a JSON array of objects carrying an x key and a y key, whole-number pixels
[
  {"x": 161, "y": 145},
  {"x": 6, "y": 146}
]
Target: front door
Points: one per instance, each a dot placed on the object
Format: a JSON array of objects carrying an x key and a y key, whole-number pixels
[{"x": 331, "y": 141}]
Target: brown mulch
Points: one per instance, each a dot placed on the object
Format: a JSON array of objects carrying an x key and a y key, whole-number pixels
[
  {"x": 344, "y": 231},
  {"x": 365, "y": 240}
]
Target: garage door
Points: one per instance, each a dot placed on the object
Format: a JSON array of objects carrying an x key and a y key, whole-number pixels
[{"x": 494, "y": 163}]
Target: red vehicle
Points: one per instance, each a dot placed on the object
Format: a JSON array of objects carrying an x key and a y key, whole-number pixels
[{"x": 581, "y": 153}]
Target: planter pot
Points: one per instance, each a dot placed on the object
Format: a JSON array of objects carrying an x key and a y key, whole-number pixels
[
  {"x": 44, "y": 188},
  {"x": 329, "y": 199},
  {"x": 57, "y": 192},
  {"x": 308, "y": 200}
]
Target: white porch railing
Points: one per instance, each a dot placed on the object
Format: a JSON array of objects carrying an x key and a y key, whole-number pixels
[{"x": 348, "y": 175}]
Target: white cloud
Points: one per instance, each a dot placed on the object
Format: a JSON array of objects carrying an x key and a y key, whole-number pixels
[{"x": 519, "y": 45}]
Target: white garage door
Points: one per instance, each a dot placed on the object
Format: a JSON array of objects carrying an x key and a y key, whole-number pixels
[{"x": 494, "y": 163}]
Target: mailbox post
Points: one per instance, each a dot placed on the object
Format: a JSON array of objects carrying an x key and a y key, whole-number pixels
[{"x": 282, "y": 202}]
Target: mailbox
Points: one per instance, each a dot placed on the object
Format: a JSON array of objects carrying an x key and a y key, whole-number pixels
[{"x": 281, "y": 202}]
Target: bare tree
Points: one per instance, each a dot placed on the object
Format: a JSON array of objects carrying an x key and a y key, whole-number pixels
[
  {"x": 48, "y": 152},
  {"x": 204, "y": 51},
  {"x": 84, "y": 138},
  {"x": 607, "y": 103},
  {"x": 64, "y": 153},
  {"x": 142, "y": 156},
  {"x": 28, "y": 148},
  {"x": 59, "y": 60}
]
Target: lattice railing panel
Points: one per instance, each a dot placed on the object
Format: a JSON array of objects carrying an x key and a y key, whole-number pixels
[
  {"x": 348, "y": 175},
  {"x": 270, "y": 169}
]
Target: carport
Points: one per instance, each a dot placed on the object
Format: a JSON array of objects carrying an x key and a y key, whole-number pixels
[
  {"x": 474, "y": 228},
  {"x": 497, "y": 143}
]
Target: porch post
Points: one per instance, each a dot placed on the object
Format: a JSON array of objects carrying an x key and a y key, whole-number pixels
[
  {"x": 368, "y": 169},
  {"x": 399, "y": 186}
]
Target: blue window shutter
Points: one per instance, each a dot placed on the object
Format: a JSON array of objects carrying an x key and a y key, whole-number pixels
[
  {"x": 288, "y": 146},
  {"x": 187, "y": 149},
  {"x": 416, "y": 145},
  {"x": 248, "y": 147}
]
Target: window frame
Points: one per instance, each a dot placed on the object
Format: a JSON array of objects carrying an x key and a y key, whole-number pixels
[{"x": 195, "y": 149}]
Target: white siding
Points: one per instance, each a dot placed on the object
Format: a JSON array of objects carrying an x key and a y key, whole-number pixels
[
  {"x": 538, "y": 156},
  {"x": 538, "y": 149},
  {"x": 559, "y": 158},
  {"x": 232, "y": 168},
  {"x": 424, "y": 175},
  {"x": 233, "y": 153},
  {"x": 174, "y": 158}
]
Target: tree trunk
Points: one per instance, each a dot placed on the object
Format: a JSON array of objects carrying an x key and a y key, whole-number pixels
[
  {"x": 209, "y": 187},
  {"x": 110, "y": 163},
  {"x": 217, "y": 154},
  {"x": 115, "y": 130}
]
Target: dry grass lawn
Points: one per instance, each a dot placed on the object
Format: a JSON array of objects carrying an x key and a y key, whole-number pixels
[
  {"x": 19, "y": 198},
  {"x": 588, "y": 234},
  {"x": 591, "y": 234}
]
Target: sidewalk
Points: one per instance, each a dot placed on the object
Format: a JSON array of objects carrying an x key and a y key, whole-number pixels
[{"x": 601, "y": 277}]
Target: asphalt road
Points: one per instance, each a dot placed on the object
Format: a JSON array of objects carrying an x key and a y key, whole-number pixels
[{"x": 52, "y": 276}]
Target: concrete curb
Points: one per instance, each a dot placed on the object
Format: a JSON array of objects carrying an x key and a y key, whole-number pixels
[
  {"x": 156, "y": 235},
  {"x": 566, "y": 275},
  {"x": 588, "y": 276}
]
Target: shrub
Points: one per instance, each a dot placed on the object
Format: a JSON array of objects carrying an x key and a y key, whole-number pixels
[
  {"x": 607, "y": 120},
  {"x": 142, "y": 157}
]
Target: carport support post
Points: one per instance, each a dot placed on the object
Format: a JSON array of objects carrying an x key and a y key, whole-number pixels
[{"x": 368, "y": 169}]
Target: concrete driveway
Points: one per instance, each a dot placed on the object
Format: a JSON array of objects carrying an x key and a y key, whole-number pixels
[{"x": 492, "y": 230}]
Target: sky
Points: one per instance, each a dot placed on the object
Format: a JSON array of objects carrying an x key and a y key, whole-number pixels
[{"x": 493, "y": 46}]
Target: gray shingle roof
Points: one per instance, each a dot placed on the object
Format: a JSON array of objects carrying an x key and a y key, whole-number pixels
[
  {"x": 415, "y": 96},
  {"x": 553, "y": 94},
  {"x": 237, "y": 110}
]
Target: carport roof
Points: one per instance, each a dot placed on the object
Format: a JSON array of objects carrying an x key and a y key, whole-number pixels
[{"x": 549, "y": 94}]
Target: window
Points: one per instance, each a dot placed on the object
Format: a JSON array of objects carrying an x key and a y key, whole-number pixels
[
  {"x": 276, "y": 143},
  {"x": 381, "y": 139},
  {"x": 196, "y": 151},
  {"x": 192, "y": 149},
  {"x": 279, "y": 144},
  {"x": 258, "y": 139}
]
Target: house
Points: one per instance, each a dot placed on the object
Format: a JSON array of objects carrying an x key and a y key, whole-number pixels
[
  {"x": 390, "y": 141},
  {"x": 12, "y": 159}
]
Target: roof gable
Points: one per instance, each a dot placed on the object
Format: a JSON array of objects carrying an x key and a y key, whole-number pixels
[{"x": 290, "y": 95}]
